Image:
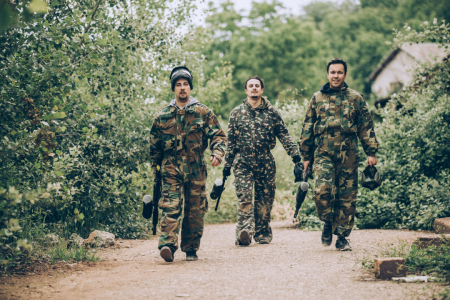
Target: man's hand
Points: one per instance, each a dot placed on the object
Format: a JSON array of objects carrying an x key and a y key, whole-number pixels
[
  {"x": 372, "y": 161},
  {"x": 306, "y": 164},
  {"x": 215, "y": 162}
]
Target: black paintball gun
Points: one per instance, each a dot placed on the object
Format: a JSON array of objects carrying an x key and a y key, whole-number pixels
[
  {"x": 151, "y": 203},
  {"x": 301, "y": 175},
  {"x": 216, "y": 193}
]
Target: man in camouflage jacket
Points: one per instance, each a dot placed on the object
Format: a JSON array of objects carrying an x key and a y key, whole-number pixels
[
  {"x": 252, "y": 131},
  {"x": 336, "y": 117},
  {"x": 179, "y": 137}
]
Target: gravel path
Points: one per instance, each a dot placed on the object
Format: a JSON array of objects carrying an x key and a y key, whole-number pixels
[{"x": 294, "y": 266}]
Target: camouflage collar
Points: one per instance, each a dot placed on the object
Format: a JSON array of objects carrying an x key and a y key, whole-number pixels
[
  {"x": 326, "y": 89},
  {"x": 192, "y": 101},
  {"x": 264, "y": 104}
]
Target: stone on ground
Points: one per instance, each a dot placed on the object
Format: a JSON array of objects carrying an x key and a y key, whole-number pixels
[
  {"x": 442, "y": 225},
  {"x": 389, "y": 267},
  {"x": 50, "y": 239},
  {"x": 75, "y": 240},
  {"x": 432, "y": 240},
  {"x": 101, "y": 239}
]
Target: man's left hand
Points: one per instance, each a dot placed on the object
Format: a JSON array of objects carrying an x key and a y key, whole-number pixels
[
  {"x": 372, "y": 161},
  {"x": 214, "y": 161}
]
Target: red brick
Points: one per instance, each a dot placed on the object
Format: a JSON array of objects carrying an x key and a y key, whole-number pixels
[
  {"x": 389, "y": 267},
  {"x": 442, "y": 225}
]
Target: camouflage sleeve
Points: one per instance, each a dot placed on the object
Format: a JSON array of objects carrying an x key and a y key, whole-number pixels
[
  {"x": 307, "y": 137},
  {"x": 156, "y": 150},
  {"x": 282, "y": 133},
  {"x": 366, "y": 131},
  {"x": 216, "y": 135},
  {"x": 232, "y": 133}
]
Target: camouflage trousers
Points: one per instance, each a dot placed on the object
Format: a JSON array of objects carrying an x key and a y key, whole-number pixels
[
  {"x": 174, "y": 194},
  {"x": 260, "y": 178},
  {"x": 336, "y": 182}
]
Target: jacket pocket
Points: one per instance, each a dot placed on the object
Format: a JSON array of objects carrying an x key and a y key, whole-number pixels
[
  {"x": 348, "y": 118},
  {"x": 319, "y": 128}
]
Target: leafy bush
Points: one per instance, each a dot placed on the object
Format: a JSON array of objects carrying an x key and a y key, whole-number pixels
[{"x": 414, "y": 155}]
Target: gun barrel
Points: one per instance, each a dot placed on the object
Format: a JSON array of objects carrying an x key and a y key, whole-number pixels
[{"x": 220, "y": 194}]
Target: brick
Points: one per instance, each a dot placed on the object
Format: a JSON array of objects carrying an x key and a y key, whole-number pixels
[
  {"x": 431, "y": 240},
  {"x": 386, "y": 268},
  {"x": 442, "y": 225}
]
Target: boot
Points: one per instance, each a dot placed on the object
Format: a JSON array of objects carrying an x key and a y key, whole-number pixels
[
  {"x": 327, "y": 236},
  {"x": 166, "y": 253},
  {"x": 342, "y": 244},
  {"x": 191, "y": 255},
  {"x": 244, "y": 238}
]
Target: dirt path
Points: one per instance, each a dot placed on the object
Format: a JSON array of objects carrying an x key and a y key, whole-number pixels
[{"x": 294, "y": 266}]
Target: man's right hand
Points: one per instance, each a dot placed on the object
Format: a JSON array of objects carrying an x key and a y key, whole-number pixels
[
  {"x": 306, "y": 164},
  {"x": 226, "y": 171}
]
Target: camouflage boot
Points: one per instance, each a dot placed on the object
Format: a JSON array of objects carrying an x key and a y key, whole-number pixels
[{"x": 342, "y": 244}]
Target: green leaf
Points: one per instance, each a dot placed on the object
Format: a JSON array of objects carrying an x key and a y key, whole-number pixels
[
  {"x": 59, "y": 115},
  {"x": 92, "y": 115},
  {"x": 37, "y": 165},
  {"x": 76, "y": 211},
  {"x": 59, "y": 152},
  {"x": 59, "y": 173},
  {"x": 90, "y": 107},
  {"x": 81, "y": 216},
  {"x": 95, "y": 130},
  {"x": 38, "y": 6}
]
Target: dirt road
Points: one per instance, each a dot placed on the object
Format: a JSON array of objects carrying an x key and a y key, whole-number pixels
[{"x": 294, "y": 266}]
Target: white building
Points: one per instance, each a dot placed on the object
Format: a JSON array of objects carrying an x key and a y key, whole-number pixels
[{"x": 396, "y": 69}]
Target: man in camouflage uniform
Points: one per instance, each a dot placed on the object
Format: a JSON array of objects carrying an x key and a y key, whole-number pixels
[
  {"x": 252, "y": 131},
  {"x": 336, "y": 117},
  {"x": 178, "y": 138}
]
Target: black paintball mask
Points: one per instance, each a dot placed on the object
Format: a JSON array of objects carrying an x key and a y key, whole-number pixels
[{"x": 371, "y": 178}]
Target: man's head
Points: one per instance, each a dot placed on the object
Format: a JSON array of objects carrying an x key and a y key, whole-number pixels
[
  {"x": 336, "y": 73},
  {"x": 181, "y": 80},
  {"x": 254, "y": 87}
]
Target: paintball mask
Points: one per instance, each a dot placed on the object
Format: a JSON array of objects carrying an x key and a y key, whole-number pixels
[{"x": 371, "y": 178}]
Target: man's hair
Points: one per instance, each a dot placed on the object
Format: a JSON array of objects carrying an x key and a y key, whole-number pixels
[
  {"x": 337, "y": 61},
  {"x": 254, "y": 77}
]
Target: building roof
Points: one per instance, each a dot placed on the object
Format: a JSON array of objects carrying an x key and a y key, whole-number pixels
[{"x": 422, "y": 53}]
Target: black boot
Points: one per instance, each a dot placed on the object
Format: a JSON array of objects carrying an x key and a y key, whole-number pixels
[
  {"x": 191, "y": 255},
  {"x": 244, "y": 238},
  {"x": 327, "y": 237},
  {"x": 166, "y": 253},
  {"x": 342, "y": 244}
]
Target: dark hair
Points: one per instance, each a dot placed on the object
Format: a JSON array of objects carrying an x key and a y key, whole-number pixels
[
  {"x": 337, "y": 61},
  {"x": 254, "y": 77}
]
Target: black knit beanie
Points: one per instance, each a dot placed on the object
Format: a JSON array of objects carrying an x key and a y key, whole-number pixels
[{"x": 180, "y": 72}]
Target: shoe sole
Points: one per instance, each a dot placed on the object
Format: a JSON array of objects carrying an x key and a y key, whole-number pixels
[
  {"x": 327, "y": 244},
  {"x": 191, "y": 258},
  {"x": 244, "y": 238},
  {"x": 263, "y": 242},
  {"x": 166, "y": 254},
  {"x": 345, "y": 249}
]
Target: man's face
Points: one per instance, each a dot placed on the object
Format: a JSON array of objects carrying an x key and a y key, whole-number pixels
[
  {"x": 182, "y": 90},
  {"x": 336, "y": 76},
  {"x": 254, "y": 90}
]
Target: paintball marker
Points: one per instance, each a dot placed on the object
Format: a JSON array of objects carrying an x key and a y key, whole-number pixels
[
  {"x": 304, "y": 186},
  {"x": 216, "y": 193},
  {"x": 151, "y": 204}
]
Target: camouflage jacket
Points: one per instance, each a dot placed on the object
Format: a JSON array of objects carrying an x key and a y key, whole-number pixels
[
  {"x": 196, "y": 122},
  {"x": 253, "y": 132},
  {"x": 346, "y": 109}
]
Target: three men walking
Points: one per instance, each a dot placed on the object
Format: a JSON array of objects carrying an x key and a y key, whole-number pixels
[{"x": 336, "y": 117}]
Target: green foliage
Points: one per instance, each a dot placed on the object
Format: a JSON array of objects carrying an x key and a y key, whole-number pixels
[
  {"x": 71, "y": 254},
  {"x": 414, "y": 155}
]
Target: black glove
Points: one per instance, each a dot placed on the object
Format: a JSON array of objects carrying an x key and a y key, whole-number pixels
[
  {"x": 226, "y": 171},
  {"x": 296, "y": 159},
  {"x": 298, "y": 171}
]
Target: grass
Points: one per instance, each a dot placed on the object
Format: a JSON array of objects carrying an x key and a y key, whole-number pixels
[{"x": 72, "y": 254}]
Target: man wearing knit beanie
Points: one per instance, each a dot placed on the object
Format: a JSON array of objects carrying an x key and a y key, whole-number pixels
[{"x": 178, "y": 138}]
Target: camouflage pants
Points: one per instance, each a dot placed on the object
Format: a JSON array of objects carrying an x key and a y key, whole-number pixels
[
  {"x": 174, "y": 193},
  {"x": 255, "y": 219},
  {"x": 336, "y": 183}
]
